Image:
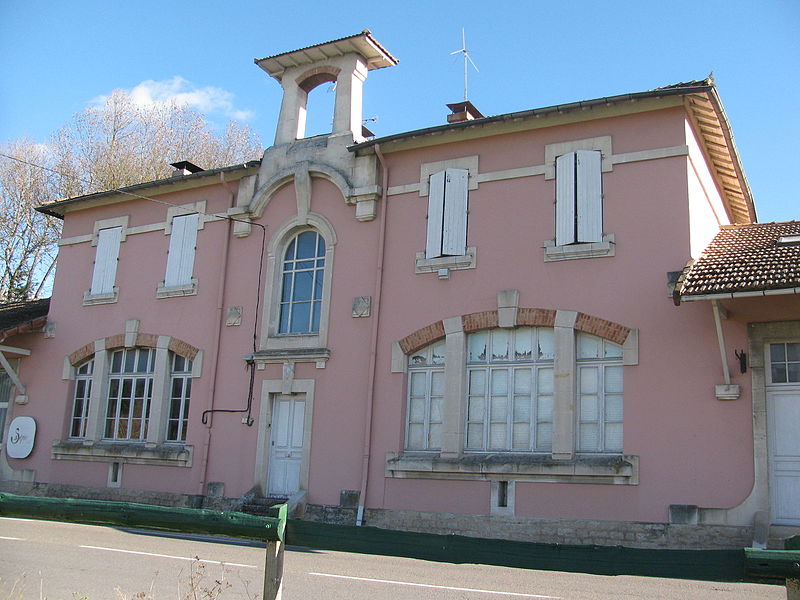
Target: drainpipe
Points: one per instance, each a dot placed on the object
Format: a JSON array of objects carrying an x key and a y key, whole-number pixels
[
  {"x": 217, "y": 341},
  {"x": 373, "y": 351}
]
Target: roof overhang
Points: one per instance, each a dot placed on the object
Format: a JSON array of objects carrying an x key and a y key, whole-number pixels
[
  {"x": 58, "y": 208},
  {"x": 699, "y": 99},
  {"x": 362, "y": 43},
  {"x": 735, "y": 295},
  {"x": 711, "y": 124},
  {"x": 22, "y": 317}
]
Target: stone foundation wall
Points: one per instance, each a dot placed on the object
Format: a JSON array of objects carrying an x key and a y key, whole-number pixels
[
  {"x": 524, "y": 529},
  {"x": 55, "y": 490},
  {"x": 547, "y": 531}
]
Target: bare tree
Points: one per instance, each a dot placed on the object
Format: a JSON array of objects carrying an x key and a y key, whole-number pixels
[
  {"x": 108, "y": 146},
  {"x": 27, "y": 238},
  {"x": 121, "y": 143}
]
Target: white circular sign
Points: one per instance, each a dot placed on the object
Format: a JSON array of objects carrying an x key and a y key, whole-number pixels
[{"x": 21, "y": 434}]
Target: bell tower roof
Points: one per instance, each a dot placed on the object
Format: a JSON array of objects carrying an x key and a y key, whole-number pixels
[{"x": 362, "y": 43}]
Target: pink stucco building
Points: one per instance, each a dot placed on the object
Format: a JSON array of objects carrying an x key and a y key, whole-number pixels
[{"x": 492, "y": 317}]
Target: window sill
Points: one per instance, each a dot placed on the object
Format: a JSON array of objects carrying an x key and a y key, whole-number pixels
[
  {"x": 279, "y": 356},
  {"x": 606, "y": 247},
  {"x": 137, "y": 453},
  {"x": 172, "y": 291},
  {"x": 90, "y": 299},
  {"x": 455, "y": 263},
  {"x": 608, "y": 469}
]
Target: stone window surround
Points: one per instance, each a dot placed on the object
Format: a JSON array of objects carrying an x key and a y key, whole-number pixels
[
  {"x": 154, "y": 450},
  {"x": 607, "y": 245},
  {"x": 453, "y": 263},
  {"x": 563, "y": 464},
  {"x": 276, "y": 347}
]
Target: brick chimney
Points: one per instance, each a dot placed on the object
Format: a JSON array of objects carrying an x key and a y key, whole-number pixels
[{"x": 463, "y": 111}]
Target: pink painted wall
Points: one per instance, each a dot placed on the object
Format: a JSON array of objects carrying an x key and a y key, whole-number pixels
[{"x": 693, "y": 449}]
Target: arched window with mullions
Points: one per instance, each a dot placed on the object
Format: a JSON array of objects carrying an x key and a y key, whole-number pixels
[{"x": 301, "y": 285}]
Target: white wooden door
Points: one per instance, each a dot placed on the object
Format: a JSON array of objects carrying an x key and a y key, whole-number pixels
[
  {"x": 287, "y": 444},
  {"x": 783, "y": 407}
]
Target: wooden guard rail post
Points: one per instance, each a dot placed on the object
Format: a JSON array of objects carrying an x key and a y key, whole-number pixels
[{"x": 271, "y": 528}]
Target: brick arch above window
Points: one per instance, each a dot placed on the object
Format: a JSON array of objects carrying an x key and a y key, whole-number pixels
[
  {"x": 541, "y": 317},
  {"x": 143, "y": 340}
]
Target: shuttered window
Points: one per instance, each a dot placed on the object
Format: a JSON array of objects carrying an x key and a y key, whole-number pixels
[
  {"x": 180, "y": 260},
  {"x": 448, "y": 193},
  {"x": 105, "y": 262},
  {"x": 600, "y": 393},
  {"x": 579, "y": 198}
]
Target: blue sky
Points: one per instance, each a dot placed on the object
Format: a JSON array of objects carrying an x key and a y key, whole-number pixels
[{"x": 59, "y": 56}]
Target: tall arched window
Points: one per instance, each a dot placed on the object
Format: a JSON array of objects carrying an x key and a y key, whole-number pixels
[{"x": 301, "y": 286}]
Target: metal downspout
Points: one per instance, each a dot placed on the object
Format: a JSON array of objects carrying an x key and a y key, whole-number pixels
[
  {"x": 373, "y": 351},
  {"x": 217, "y": 341}
]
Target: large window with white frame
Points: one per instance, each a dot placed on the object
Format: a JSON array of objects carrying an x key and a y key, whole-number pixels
[
  {"x": 600, "y": 394},
  {"x": 81, "y": 397},
  {"x": 509, "y": 402},
  {"x": 130, "y": 390},
  {"x": 784, "y": 361},
  {"x": 6, "y": 385},
  {"x": 302, "y": 284},
  {"x": 510, "y": 390},
  {"x": 425, "y": 398},
  {"x": 180, "y": 394}
]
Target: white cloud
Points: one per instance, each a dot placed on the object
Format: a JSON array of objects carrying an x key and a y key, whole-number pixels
[{"x": 208, "y": 100}]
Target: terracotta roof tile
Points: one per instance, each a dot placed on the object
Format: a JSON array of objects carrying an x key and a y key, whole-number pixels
[
  {"x": 746, "y": 258},
  {"x": 17, "y": 317}
]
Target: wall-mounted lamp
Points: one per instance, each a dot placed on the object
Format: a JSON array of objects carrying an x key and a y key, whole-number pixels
[{"x": 742, "y": 356}]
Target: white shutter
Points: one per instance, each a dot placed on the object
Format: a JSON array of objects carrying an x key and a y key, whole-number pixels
[
  {"x": 180, "y": 260},
  {"x": 433, "y": 247},
  {"x": 105, "y": 262},
  {"x": 456, "y": 191},
  {"x": 565, "y": 199},
  {"x": 590, "y": 196}
]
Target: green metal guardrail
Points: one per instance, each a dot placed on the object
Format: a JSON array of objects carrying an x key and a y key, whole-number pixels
[
  {"x": 271, "y": 528},
  {"x": 776, "y": 564}
]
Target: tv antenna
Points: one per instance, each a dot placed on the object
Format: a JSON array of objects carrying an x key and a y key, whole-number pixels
[{"x": 465, "y": 53}]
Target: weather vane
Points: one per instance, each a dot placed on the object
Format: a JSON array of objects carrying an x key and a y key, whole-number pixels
[{"x": 467, "y": 57}]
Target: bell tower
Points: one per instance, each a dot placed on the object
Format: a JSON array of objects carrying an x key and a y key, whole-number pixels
[
  {"x": 344, "y": 62},
  {"x": 295, "y": 159}
]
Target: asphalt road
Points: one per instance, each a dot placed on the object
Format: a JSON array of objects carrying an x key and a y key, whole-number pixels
[{"x": 41, "y": 560}]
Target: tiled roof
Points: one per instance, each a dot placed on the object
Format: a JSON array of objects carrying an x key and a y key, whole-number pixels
[
  {"x": 18, "y": 317},
  {"x": 747, "y": 258}
]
